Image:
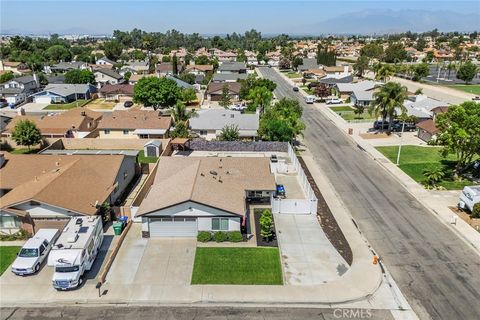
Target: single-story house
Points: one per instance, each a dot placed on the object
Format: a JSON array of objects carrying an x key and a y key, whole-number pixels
[
  {"x": 107, "y": 76},
  {"x": 215, "y": 89},
  {"x": 18, "y": 68},
  {"x": 229, "y": 77},
  {"x": 346, "y": 89},
  {"x": 199, "y": 68},
  {"x": 164, "y": 68},
  {"x": 232, "y": 67},
  {"x": 422, "y": 106},
  {"x": 105, "y": 62},
  {"x": 44, "y": 191},
  {"x": 208, "y": 123},
  {"x": 134, "y": 78},
  {"x": 332, "y": 80},
  {"x": 427, "y": 130},
  {"x": 64, "y": 93},
  {"x": 73, "y": 123},
  {"x": 180, "y": 83},
  {"x": 134, "y": 124},
  {"x": 116, "y": 92},
  {"x": 337, "y": 70},
  {"x": 308, "y": 64},
  {"x": 362, "y": 98},
  {"x": 139, "y": 67},
  {"x": 192, "y": 194},
  {"x": 62, "y": 67}
]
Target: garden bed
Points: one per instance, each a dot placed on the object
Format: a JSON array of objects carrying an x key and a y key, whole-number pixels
[{"x": 261, "y": 242}]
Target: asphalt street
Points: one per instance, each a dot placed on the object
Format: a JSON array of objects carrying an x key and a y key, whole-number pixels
[
  {"x": 436, "y": 271},
  {"x": 189, "y": 313}
]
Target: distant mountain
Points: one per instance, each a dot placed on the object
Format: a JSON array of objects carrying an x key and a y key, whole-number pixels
[
  {"x": 67, "y": 31},
  {"x": 390, "y": 21}
]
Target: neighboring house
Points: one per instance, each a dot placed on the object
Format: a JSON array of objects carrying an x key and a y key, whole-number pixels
[
  {"x": 344, "y": 70},
  {"x": 134, "y": 124},
  {"x": 74, "y": 123},
  {"x": 180, "y": 83},
  {"x": 164, "y": 69},
  {"x": 427, "y": 130},
  {"x": 361, "y": 98},
  {"x": 229, "y": 77},
  {"x": 251, "y": 58},
  {"x": 215, "y": 89},
  {"x": 18, "y": 68},
  {"x": 64, "y": 93},
  {"x": 223, "y": 56},
  {"x": 138, "y": 67},
  {"x": 308, "y": 64},
  {"x": 107, "y": 76},
  {"x": 194, "y": 194},
  {"x": 105, "y": 62},
  {"x": 208, "y": 123},
  {"x": 134, "y": 78},
  {"x": 44, "y": 191},
  {"x": 116, "y": 92},
  {"x": 331, "y": 81},
  {"x": 197, "y": 69},
  {"x": 15, "y": 91},
  {"x": 67, "y": 66},
  {"x": 422, "y": 106},
  {"x": 346, "y": 89},
  {"x": 232, "y": 67}
]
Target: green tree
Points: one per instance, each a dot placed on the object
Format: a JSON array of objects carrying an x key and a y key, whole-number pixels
[
  {"x": 282, "y": 121},
  {"x": 467, "y": 72},
  {"x": 372, "y": 51},
  {"x": 7, "y": 76},
  {"x": 175, "y": 64},
  {"x": 230, "y": 133},
  {"x": 359, "y": 110},
  {"x": 387, "y": 100},
  {"x": 156, "y": 92},
  {"x": 187, "y": 77},
  {"x": 421, "y": 71},
  {"x": 113, "y": 49},
  {"x": 180, "y": 130},
  {"x": 395, "y": 52},
  {"x": 266, "y": 224},
  {"x": 361, "y": 65},
  {"x": 202, "y": 60},
  {"x": 459, "y": 133},
  {"x": 419, "y": 91},
  {"x": 26, "y": 133},
  {"x": 385, "y": 72},
  {"x": 433, "y": 176},
  {"x": 127, "y": 75},
  {"x": 59, "y": 53},
  {"x": 79, "y": 76},
  {"x": 189, "y": 95},
  {"x": 225, "y": 99},
  {"x": 260, "y": 97}
]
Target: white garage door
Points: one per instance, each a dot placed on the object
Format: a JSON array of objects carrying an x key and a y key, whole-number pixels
[
  {"x": 43, "y": 100},
  {"x": 176, "y": 227}
]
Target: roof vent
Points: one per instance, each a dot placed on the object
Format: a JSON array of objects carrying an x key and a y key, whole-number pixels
[
  {"x": 213, "y": 172},
  {"x": 202, "y": 174}
]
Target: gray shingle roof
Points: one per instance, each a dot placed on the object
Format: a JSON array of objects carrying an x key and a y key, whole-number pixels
[
  {"x": 180, "y": 83},
  {"x": 110, "y": 73},
  {"x": 232, "y": 66},
  {"x": 220, "y": 77},
  {"x": 67, "y": 89},
  {"x": 217, "y": 119}
]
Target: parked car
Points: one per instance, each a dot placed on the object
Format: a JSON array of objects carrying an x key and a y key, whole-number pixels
[
  {"x": 334, "y": 101},
  {"x": 409, "y": 126},
  {"x": 295, "y": 89},
  {"x": 239, "y": 107},
  {"x": 34, "y": 252},
  {"x": 476, "y": 98},
  {"x": 128, "y": 104},
  {"x": 280, "y": 191},
  {"x": 312, "y": 85},
  {"x": 379, "y": 124},
  {"x": 310, "y": 99}
]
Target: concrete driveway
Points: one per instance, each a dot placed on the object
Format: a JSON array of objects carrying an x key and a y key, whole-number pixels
[
  {"x": 163, "y": 261},
  {"x": 307, "y": 255}
]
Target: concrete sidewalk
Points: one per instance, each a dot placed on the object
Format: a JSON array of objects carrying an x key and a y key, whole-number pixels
[{"x": 438, "y": 208}]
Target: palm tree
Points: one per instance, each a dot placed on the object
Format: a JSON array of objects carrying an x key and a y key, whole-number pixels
[
  {"x": 433, "y": 176},
  {"x": 388, "y": 99},
  {"x": 385, "y": 72},
  {"x": 180, "y": 113},
  {"x": 450, "y": 67}
]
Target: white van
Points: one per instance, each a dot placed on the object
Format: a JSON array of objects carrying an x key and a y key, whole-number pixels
[
  {"x": 310, "y": 99},
  {"x": 75, "y": 251},
  {"x": 34, "y": 252},
  {"x": 469, "y": 197}
]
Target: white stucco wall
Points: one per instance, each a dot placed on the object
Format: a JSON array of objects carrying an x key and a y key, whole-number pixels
[{"x": 45, "y": 211}]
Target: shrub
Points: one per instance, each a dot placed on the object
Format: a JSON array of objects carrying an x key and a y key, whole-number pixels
[
  {"x": 220, "y": 236},
  {"x": 235, "y": 236},
  {"x": 204, "y": 236},
  {"x": 266, "y": 224},
  {"x": 19, "y": 235},
  {"x": 476, "y": 210}
]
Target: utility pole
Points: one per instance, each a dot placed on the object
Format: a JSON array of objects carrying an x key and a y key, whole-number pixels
[{"x": 401, "y": 140}]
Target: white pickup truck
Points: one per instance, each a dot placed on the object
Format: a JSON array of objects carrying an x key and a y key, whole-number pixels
[{"x": 34, "y": 252}]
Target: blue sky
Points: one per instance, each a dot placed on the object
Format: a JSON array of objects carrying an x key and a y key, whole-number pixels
[{"x": 207, "y": 17}]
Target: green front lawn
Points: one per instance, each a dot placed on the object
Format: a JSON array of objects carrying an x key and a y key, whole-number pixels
[
  {"x": 471, "y": 88},
  {"x": 293, "y": 75},
  {"x": 341, "y": 108},
  {"x": 66, "y": 106},
  {"x": 24, "y": 151},
  {"x": 7, "y": 255},
  {"x": 143, "y": 159},
  {"x": 258, "y": 266},
  {"x": 414, "y": 160}
]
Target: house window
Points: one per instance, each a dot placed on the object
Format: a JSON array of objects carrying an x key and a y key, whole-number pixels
[
  {"x": 9, "y": 222},
  {"x": 203, "y": 132},
  {"x": 106, "y": 131},
  {"x": 125, "y": 131},
  {"x": 219, "y": 224},
  {"x": 143, "y": 136}
]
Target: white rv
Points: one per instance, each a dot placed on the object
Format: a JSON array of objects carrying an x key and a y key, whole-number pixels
[
  {"x": 469, "y": 197},
  {"x": 75, "y": 251}
]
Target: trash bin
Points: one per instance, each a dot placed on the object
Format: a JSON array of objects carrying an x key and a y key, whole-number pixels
[
  {"x": 123, "y": 220},
  {"x": 117, "y": 228}
]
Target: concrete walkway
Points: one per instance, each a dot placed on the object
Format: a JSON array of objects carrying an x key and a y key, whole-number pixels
[{"x": 307, "y": 255}]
